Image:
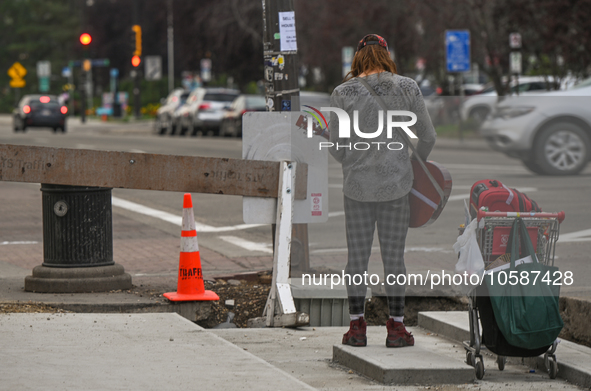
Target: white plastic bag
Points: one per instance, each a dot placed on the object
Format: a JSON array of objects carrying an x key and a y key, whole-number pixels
[{"x": 470, "y": 260}]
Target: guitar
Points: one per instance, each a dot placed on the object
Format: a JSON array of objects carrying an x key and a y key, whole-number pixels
[{"x": 425, "y": 202}]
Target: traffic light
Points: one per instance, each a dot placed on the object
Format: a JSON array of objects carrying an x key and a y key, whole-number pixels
[
  {"x": 135, "y": 61},
  {"x": 136, "y": 40},
  {"x": 85, "y": 39}
]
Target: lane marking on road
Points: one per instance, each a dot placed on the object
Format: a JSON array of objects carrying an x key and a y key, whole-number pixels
[
  {"x": 377, "y": 248},
  {"x": 467, "y": 196},
  {"x": 21, "y": 242},
  {"x": 577, "y": 236},
  {"x": 248, "y": 245},
  {"x": 175, "y": 219}
]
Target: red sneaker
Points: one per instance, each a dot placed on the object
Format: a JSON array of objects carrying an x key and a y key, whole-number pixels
[
  {"x": 356, "y": 334},
  {"x": 397, "y": 335}
]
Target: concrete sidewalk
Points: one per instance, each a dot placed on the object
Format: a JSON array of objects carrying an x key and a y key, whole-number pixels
[{"x": 166, "y": 352}]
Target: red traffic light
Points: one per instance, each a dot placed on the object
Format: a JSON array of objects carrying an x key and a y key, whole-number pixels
[
  {"x": 135, "y": 61},
  {"x": 85, "y": 39}
]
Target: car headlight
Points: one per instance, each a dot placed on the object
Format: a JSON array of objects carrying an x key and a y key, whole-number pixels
[{"x": 508, "y": 112}]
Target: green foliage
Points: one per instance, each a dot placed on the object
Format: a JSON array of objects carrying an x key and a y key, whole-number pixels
[{"x": 31, "y": 31}]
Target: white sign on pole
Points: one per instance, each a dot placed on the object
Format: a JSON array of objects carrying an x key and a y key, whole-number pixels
[
  {"x": 515, "y": 61},
  {"x": 287, "y": 32},
  {"x": 43, "y": 68},
  {"x": 347, "y": 54},
  {"x": 515, "y": 40},
  {"x": 206, "y": 69},
  {"x": 153, "y": 67}
]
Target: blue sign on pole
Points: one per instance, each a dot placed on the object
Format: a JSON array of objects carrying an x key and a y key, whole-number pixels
[{"x": 457, "y": 48}]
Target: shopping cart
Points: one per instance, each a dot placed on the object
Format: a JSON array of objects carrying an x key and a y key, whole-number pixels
[{"x": 492, "y": 235}]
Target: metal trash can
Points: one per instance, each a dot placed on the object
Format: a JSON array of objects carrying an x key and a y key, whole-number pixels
[{"x": 77, "y": 226}]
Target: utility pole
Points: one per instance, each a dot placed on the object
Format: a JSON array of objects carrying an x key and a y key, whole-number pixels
[
  {"x": 136, "y": 76},
  {"x": 170, "y": 48},
  {"x": 281, "y": 87}
]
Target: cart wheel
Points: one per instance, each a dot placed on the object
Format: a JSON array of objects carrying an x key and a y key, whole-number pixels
[
  {"x": 479, "y": 369},
  {"x": 501, "y": 361},
  {"x": 470, "y": 359},
  {"x": 553, "y": 368}
]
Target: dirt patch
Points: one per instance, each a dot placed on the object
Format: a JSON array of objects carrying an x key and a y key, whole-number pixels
[
  {"x": 249, "y": 301},
  {"x": 29, "y": 308},
  {"x": 377, "y": 313}
]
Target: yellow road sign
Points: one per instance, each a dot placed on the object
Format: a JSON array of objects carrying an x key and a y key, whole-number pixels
[
  {"x": 18, "y": 83},
  {"x": 17, "y": 72}
]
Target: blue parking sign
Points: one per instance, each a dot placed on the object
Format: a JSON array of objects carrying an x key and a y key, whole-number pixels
[{"x": 457, "y": 45}]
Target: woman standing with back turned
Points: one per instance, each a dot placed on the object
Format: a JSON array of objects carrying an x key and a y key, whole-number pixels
[{"x": 376, "y": 181}]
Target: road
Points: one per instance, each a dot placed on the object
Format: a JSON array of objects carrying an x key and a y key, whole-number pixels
[{"x": 222, "y": 227}]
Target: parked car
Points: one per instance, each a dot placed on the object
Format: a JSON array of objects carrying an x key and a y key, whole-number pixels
[
  {"x": 231, "y": 125},
  {"x": 164, "y": 114},
  {"x": 479, "y": 106},
  {"x": 549, "y": 133},
  {"x": 205, "y": 110},
  {"x": 39, "y": 111}
]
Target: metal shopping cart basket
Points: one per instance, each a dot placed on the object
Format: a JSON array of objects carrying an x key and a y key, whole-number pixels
[{"x": 492, "y": 235}]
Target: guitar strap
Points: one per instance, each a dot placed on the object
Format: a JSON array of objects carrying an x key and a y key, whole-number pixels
[{"x": 405, "y": 137}]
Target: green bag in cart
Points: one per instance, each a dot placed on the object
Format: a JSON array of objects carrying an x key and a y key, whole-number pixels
[{"x": 525, "y": 299}]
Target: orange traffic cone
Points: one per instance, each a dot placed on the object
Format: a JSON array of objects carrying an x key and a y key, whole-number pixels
[{"x": 190, "y": 285}]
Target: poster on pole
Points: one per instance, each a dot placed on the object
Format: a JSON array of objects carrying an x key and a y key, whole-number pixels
[
  {"x": 153, "y": 66},
  {"x": 287, "y": 32}
]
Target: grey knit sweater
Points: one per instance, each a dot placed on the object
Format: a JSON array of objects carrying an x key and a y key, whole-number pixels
[{"x": 379, "y": 174}]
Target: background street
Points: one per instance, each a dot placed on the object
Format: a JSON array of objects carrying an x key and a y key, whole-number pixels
[{"x": 221, "y": 236}]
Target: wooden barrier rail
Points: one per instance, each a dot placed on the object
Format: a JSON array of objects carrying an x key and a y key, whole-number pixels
[{"x": 145, "y": 171}]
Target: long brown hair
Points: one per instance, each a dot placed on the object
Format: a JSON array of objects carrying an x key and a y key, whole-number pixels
[{"x": 371, "y": 58}]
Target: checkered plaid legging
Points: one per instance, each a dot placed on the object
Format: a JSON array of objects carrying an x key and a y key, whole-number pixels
[{"x": 392, "y": 219}]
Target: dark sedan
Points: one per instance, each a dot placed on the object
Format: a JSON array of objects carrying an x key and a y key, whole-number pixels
[{"x": 40, "y": 111}]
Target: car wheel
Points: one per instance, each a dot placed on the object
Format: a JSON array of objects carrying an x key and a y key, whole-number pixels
[
  {"x": 194, "y": 129},
  {"x": 172, "y": 127},
  {"x": 182, "y": 128},
  {"x": 16, "y": 126},
  {"x": 478, "y": 114},
  {"x": 562, "y": 149},
  {"x": 227, "y": 129},
  {"x": 161, "y": 126},
  {"x": 63, "y": 129},
  {"x": 238, "y": 126}
]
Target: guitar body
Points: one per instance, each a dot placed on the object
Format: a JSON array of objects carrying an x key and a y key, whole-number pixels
[{"x": 425, "y": 202}]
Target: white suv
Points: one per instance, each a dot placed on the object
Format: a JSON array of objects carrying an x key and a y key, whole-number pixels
[
  {"x": 479, "y": 106},
  {"x": 550, "y": 133}
]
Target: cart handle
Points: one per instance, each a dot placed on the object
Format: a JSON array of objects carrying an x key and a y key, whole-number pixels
[{"x": 559, "y": 216}]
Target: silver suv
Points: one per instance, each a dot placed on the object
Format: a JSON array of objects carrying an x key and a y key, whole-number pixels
[
  {"x": 205, "y": 110},
  {"x": 549, "y": 133}
]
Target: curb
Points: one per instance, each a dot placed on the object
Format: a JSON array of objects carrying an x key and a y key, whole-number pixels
[{"x": 454, "y": 325}]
